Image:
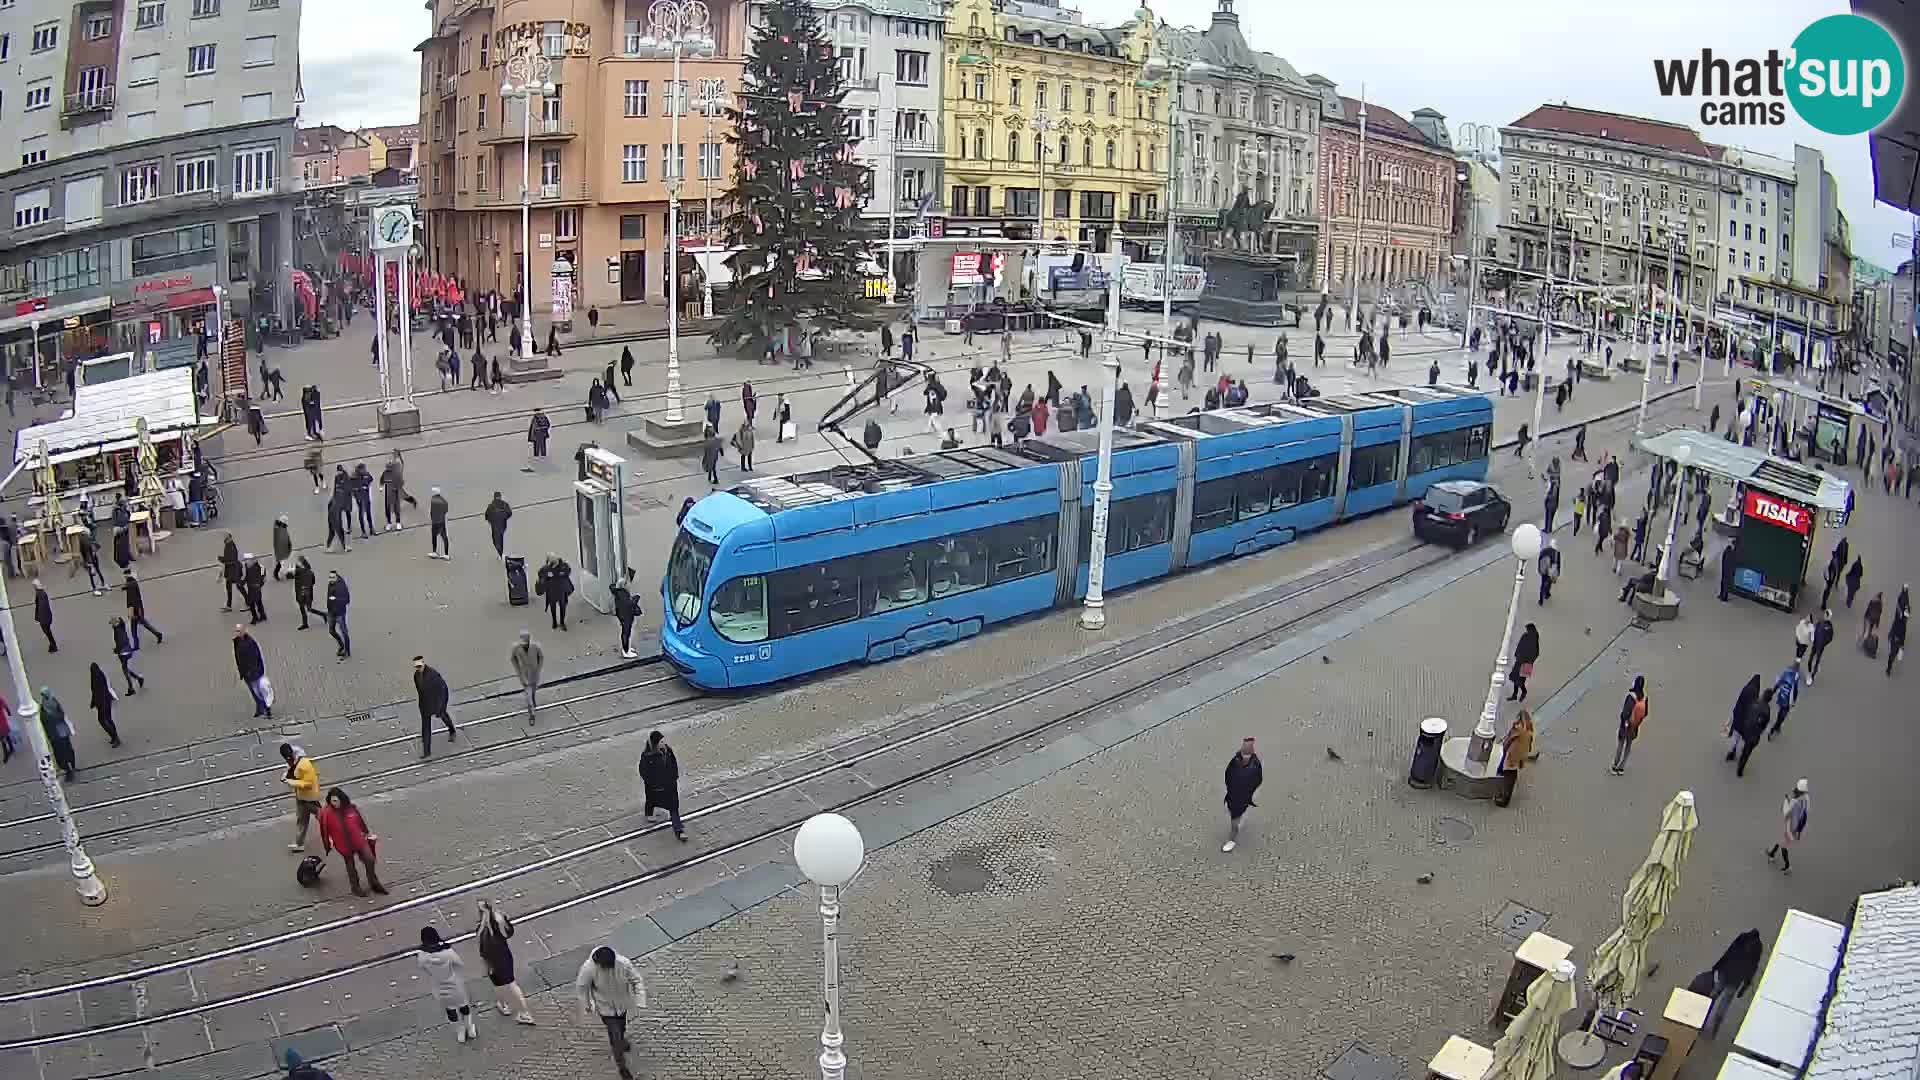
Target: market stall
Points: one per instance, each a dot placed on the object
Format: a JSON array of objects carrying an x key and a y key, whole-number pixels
[
  {"x": 133, "y": 437},
  {"x": 1773, "y": 511}
]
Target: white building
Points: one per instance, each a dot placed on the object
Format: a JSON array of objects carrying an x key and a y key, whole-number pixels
[
  {"x": 890, "y": 56},
  {"x": 1785, "y": 242}
]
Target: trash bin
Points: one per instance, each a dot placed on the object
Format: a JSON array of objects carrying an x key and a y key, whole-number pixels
[
  {"x": 1426, "y": 752},
  {"x": 516, "y": 580}
]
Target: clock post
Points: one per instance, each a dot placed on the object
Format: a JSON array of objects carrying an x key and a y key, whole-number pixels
[{"x": 391, "y": 241}]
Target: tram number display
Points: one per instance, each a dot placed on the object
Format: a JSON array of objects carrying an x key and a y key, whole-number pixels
[{"x": 1774, "y": 511}]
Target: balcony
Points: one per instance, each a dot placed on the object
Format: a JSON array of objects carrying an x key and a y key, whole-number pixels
[
  {"x": 917, "y": 146},
  {"x": 95, "y": 101},
  {"x": 871, "y": 82},
  {"x": 449, "y": 87},
  {"x": 561, "y": 194},
  {"x": 545, "y": 129}
]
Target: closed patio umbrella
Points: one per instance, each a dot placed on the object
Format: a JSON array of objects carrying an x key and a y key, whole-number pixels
[
  {"x": 1525, "y": 1052},
  {"x": 1621, "y": 959}
]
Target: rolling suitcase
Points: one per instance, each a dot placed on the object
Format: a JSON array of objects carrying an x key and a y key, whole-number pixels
[
  {"x": 516, "y": 580},
  {"x": 308, "y": 872}
]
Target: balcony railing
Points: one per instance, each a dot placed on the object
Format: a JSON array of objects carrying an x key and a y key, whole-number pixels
[
  {"x": 566, "y": 191},
  {"x": 449, "y": 87},
  {"x": 871, "y": 82},
  {"x": 927, "y": 146},
  {"x": 98, "y": 99},
  {"x": 549, "y": 128}
]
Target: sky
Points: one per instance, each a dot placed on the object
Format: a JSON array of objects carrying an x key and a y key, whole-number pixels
[{"x": 1476, "y": 61}]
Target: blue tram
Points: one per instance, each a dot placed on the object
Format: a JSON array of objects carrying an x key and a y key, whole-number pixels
[{"x": 782, "y": 576}]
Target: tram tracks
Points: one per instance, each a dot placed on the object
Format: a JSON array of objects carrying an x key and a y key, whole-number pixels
[{"x": 766, "y": 812}]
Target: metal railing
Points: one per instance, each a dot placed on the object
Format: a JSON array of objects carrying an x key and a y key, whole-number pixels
[
  {"x": 94, "y": 99},
  {"x": 509, "y": 129},
  {"x": 449, "y": 86}
]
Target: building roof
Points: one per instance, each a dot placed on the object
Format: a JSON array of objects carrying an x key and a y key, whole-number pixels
[
  {"x": 1656, "y": 134},
  {"x": 1222, "y": 45},
  {"x": 394, "y": 134},
  {"x": 324, "y": 139},
  {"x": 1381, "y": 121},
  {"x": 1872, "y": 1029}
]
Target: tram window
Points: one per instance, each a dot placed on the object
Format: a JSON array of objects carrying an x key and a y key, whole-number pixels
[
  {"x": 1022, "y": 548},
  {"x": 1372, "y": 465},
  {"x": 1132, "y": 524},
  {"x": 1286, "y": 484},
  {"x": 1213, "y": 504},
  {"x": 1477, "y": 441},
  {"x": 894, "y": 578},
  {"x": 1444, "y": 448},
  {"x": 1317, "y": 481},
  {"x": 807, "y": 597},
  {"x": 957, "y": 564},
  {"x": 740, "y": 609},
  {"x": 1252, "y": 492}
]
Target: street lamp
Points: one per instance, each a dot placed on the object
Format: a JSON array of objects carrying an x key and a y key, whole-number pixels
[
  {"x": 1166, "y": 66},
  {"x": 1526, "y": 548},
  {"x": 675, "y": 27},
  {"x": 1094, "y": 615},
  {"x": 1681, "y": 455},
  {"x": 830, "y": 852},
  {"x": 710, "y": 97},
  {"x": 529, "y": 73},
  {"x": 93, "y": 891}
]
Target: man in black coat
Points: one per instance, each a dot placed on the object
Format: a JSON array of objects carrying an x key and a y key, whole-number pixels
[
  {"x": 43, "y": 614},
  {"x": 337, "y": 600},
  {"x": 498, "y": 513},
  {"x": 660, "y": 776},
  {"x": 253, "y": 670},
  {"x": 432, "y": 690},
  {"x": 137, "y": 611},
  {"x": 1243, "y": 778},
  {"x": 255, "y": 587}
]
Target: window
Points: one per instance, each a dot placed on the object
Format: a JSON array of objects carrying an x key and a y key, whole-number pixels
[
  {"x": 822, "y": 594},
  {"x": 1066, "y": 97},
  {"x": 633, "y": 163},
  {"x": 980, "y": 144},
  {"x": 982, "y": 201},
  {"x": 195, "y": 174},
  {"x": 550, "y": 106},
  {"x": 636, "y": 97},
  {"x": 480, "y": 112},
  {"x": 910, "y": 67},
  {"x": 1040, "y": 95},
  {"x": 1219, "y": 503},
  {"x": 1373, "y": 465},
  {"x": 709, "y": 161},
  {"x": 633, "y": 226},
  {"x": 1113, "y": 103},
  {"x": 205, "y": 9},
  {"x": 46, "y": 36},
  {"x": 149, "y": 14},
  {"x": 1013, "y": 146},
  {"x": 199, "y": 114},
  {"x": 140, "y": 124},
  {"x": 142, "y": 70},
  {"x": 959, "y": 199},
  {"x": 259, "y": 51},
  {"x": 31, "y": 208},
  {"x": 255, "y": 107},
  {"x": 1443, "y": 448},
  {"x": 1113, "y": 151},
  {"x": 200, "y": 59},
  {"x": 39, "y": 94},
  {"x": 1089, "y": 101},
  {"x": 97, "y": 27},
  {"x": 140, "y": 183},
  {"x": 485, "y": 42},
  {"x": 253, "y": 172},
  {"x": 480, "y": 173},
  {"x": 566, "y": 224},
  {"x": 979, "y": 86},
  {"x": 1143, "y": 521},
  {"x": 1013, "y": 92},
  {"x": 550, "y": 167},
  {"x": 553, "y": 39},
  {"x": 6, "y": 45},
  {"x": 1023, "y": 202}
]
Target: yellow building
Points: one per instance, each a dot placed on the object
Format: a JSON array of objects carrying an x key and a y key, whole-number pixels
[{"x": 1048, "y": 133}]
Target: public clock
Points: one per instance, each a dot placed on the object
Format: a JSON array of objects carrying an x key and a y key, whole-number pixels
[{"x": 392, "y": 227}]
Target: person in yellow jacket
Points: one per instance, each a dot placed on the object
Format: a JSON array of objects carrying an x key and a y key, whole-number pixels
[{"x": 304, "y": 780}]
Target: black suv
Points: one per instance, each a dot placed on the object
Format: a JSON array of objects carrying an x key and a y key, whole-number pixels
[{"x": 1460, "y": 512}]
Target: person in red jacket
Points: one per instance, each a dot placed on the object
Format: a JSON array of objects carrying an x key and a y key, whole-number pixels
[{"x": 342, "y": 829}]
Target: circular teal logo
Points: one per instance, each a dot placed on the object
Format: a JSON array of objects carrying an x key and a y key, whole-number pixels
[{"x": 1848, "y": 74}]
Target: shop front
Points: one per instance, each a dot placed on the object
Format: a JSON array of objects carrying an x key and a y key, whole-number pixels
[
  {"x": 39, "y": 338},
  {"x": 1774, "y": 545},
  {"x": 164, "y": 317}
]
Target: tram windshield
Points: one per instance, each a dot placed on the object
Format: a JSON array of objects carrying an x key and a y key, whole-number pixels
[{"x": 687, "y": 570}]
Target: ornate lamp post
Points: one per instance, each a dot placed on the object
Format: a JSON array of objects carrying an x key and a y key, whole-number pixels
[
  {"x": 675, "y": 27},
  {"x": 830, "y": 852},
  {"x": 710, "y": 97},
  {"x": 1526, "y": 548},
  {"x": 529, "y": 74}
]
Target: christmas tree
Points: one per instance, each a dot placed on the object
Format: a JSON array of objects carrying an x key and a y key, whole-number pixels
[{"x": 797, "y": 190}]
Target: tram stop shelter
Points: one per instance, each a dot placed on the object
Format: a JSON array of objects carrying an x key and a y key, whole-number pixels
[
  {"x": 1774, "y": 510},
  {"x": 1833, "y": 422}
]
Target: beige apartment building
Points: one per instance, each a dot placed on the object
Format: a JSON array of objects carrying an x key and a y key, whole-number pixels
[{"x": 596, "y": 155}]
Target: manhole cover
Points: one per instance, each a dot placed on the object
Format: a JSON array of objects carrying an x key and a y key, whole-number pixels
[
  {"x": 1450, "y": 830},
  {"x": 1518, "y": 920},
  {"x": 963, "y": 873},
  {"x": 1007, "y": 863}
]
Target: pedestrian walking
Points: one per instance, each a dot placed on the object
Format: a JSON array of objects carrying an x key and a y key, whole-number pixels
[
  {"x": 43, "y": 614},
  {"x": 1802, "y": 636},
  {"x": 430, "y": 688},
  {"x": 438, "y": 546},
  {"x": 1622, "y": 541},
  {"x": 538, "y": 430},
  {"x": 554, "y": 583},
  {"x": 609, "y": 986},
  {"x": 1525, "y": 653},
  {"x": 710, "y": 456},
  {"x": 303, "y": 585},
  {"x": 102, "y": 701},
  {"x": 1870, "y": 619},
  {"x": 363, "y": 498},
  {"x": 338, "y": 599},
  {"x": 496, "y": 956},
  {"x": 344, "y": 829},
  {"x": 53, "y": 721},
  {"x": 1640, "y": 538},
  {"x": 713, "y": 412},
  {"x": 89, "y": 560},
  {"x": 743, "y": 440},
  {"x": 749, "y": 402},
  {"x": 1896, "y": 638},
  {"x": 282, "y": 544},
  {"x": 1854, "y": 574},
  {"x": 1835, "y": 566},
  {"x": 1633, "y": 712},
  {"x": 660, "y": 779},
  {"x": 445, "y": 971},
  {"x": 253, "y": 588},
  {"x": 252, "y": 667},
  {"x": 1515, "y": 749},
  {"x": 497, "y": 514},
  {"x": 123, "y": 648},
  {"x": 626, "y": 365},
  {"x": 782, "y": 417},
  {"x": 1822, "y": 637},
  {"x": 625, "y": 609},
  {"x": 527, "y": 658},
  {"x": 393, "y": 488},
  {"x": 1548, "y": 567},
  {"x": 339, "y": 515},
  {"x": 1793, "y": 822},
  {"x": 596, "y": 402},
  {"x": 1786, "y": 691},
  {"x": 310, "y": 410},
  {"x": 1243, "y": 776},
  {"x": 303, "y": 780},
  {"x": 1746, "y": 723}
]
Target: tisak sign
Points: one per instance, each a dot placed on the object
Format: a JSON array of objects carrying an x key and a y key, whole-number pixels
[{"x": 1787, "y": 515}]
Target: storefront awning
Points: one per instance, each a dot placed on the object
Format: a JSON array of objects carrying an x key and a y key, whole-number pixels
[{"x": 54, "y": 314}]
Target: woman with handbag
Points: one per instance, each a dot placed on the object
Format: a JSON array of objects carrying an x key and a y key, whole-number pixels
[
  {"x": 497, "y": 956},
  {"x": 1525, "y": 653},
  {"x": 343, "y": 829}
]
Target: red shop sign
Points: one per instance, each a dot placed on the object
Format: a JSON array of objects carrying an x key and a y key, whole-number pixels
[{"x": 1779, "y": 512}]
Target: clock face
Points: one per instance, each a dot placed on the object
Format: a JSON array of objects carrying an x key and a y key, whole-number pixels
[{"x": 394, "y": 227}]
